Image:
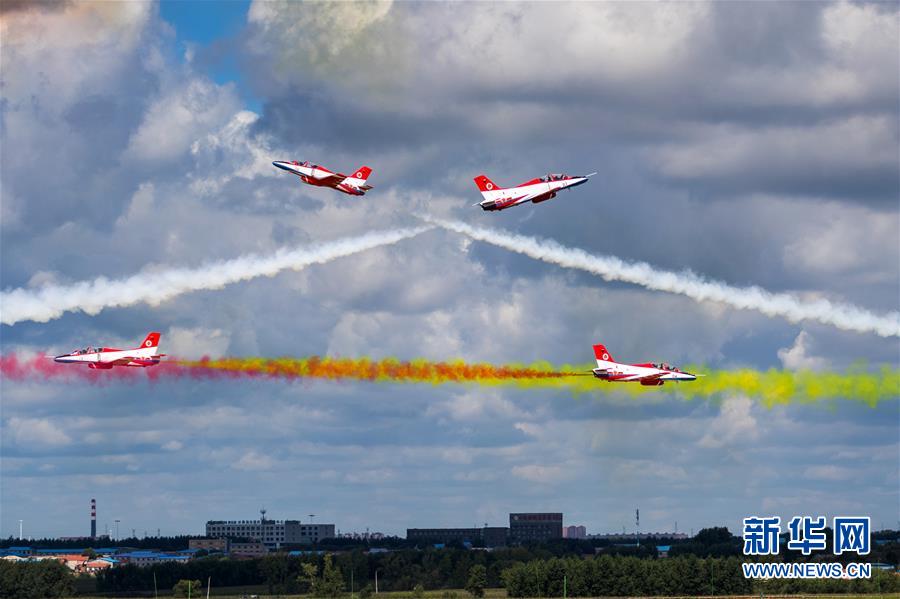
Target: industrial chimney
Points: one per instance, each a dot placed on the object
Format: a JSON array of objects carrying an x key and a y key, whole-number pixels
[{"x": 93, "y": 518}]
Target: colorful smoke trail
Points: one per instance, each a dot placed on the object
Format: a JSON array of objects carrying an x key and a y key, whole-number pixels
[{"x": 770, "y": 387}]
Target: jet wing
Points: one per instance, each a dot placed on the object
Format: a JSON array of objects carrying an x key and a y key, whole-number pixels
[
  {"x": 332, "y": 178},
  {"x": 651, "y": 378},
  {"x": 122, "y": 361}
]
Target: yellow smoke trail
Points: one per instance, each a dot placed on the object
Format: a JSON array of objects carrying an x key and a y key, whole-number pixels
[{"x": 771, "y": 387}]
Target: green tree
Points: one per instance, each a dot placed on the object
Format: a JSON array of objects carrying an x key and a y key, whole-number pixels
[
  {"x": 418, "y": 592},
  {"x": 329, "y": 584},
  {"x": 35, "y": 580},
  {"x": 187, "y": 588},
  {"x": 477, "y": 580}
]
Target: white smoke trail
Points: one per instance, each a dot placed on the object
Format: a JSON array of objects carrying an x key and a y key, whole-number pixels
[
  {"x": 842, "y": 316},
  {"x": 52, "y": 301}
]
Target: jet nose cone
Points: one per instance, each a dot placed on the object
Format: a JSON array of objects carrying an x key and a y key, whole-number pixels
[
  {"x": 58, "y": 358},
  {"x": 578, "y": 181}
]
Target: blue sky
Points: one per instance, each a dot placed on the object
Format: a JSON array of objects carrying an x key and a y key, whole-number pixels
[{"x": 754, "y": 156}]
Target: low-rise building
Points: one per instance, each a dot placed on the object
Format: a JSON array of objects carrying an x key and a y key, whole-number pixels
[
  {"x": 489, "y": 536},
  {"x": 222, "y": 545},
  {"x": 252, "y": 549},
  {"x": 148, "y": 558}
]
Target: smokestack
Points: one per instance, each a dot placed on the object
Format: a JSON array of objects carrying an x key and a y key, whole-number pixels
[{"x": 93, "y": 518}]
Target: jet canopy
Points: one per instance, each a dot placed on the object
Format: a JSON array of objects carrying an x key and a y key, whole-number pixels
[
  {"x": 85, "y": 350},
  {"x": 664, "y": 366},
  {"x": 554, "y": 177}
]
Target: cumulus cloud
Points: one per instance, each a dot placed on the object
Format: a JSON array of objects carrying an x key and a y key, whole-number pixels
[
  {"x": 174, "y": 121},
  {"x": 798, "y": 357},
  {"x": 197, "y": 342},
  {"x": 736, "y": 424},
  {"x": 40, "y": 431}
]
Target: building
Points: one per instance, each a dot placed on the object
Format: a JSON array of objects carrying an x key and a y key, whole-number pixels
[
  {"x": 222, "y": 544},
  {"x": 631, "y": 537},
  {"x": 148, "y": 558},
  {"x": 272, "y": 533},
  {"x": 574, "y": 532},
  {"x": 444, "y": 535},
  {"x": 495, "y": 536},
  {"x": 524, "y": 527},
  {"x": 489, "y": 536},
  {"x": 254, "y": 549}
]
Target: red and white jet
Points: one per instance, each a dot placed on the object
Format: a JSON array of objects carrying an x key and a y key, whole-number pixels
[
  {"x": 651, "y": 375},
  {"x": 104, "y": 358},
  {"x": 536, "y": 190},
  {"x": 320, "y": 176}
]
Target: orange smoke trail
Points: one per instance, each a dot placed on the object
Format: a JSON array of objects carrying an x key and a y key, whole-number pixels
[{"x": 417, "y": 371}]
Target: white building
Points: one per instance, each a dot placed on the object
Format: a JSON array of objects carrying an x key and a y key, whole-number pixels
[{"x": 272, "y": 533}]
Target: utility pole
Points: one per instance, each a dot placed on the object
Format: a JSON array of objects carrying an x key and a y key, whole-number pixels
[{"x": 376, "y": 580}]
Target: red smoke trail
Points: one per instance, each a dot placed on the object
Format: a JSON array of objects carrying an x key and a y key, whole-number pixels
[{"x": 43, "y": 368}]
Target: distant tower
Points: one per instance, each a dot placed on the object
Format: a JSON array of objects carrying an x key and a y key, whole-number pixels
[
  {"x": 637, "y": 523},
  {"x": 262, "y": 516},
  {"x": 93, "y": 518}
]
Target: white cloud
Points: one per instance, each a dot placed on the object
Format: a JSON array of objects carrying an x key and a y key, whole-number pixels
[
  {"x": 26, "y": 432},
  {"x": 476, "y": 403},
  {"x": 253, "y": 460},
  {"x": 196, "y": 342},
  {"x": 735, "y": 424},
  {"x": 828, "y": 472},
  {"x": 797, "y": 356},
  {"x": 177, "y": 118},
  {"x": 538, "y": 473}
]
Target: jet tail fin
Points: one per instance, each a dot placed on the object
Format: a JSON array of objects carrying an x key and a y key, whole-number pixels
[
  {"x": 602, "y": 354},
  {"x": 358, "y": 179},
  {"x": 484, "y": 184},
  {"x": 152, "y": 340}
]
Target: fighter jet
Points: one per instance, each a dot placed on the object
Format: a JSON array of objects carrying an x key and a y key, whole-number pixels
[
  {"x": 650, "y": 375},
  {"x": 536, "y": 190},
  {"x": 104, "y": 358},
  {"x": 320, "y": 176}
]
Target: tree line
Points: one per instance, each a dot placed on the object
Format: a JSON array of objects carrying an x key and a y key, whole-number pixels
[{"x": 619, "y": 576}]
